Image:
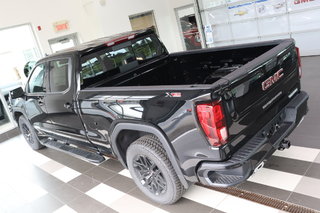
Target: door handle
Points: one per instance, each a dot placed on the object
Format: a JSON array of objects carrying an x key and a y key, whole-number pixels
[{"x": 67, "y": 105}]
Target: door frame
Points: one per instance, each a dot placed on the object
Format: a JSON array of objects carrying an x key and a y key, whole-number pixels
[
  {"x": 34, "y": 35},
  {"x": 199, "y": 24},
  {"x": 144, "y": 13},
  {"x": 58, "y": 39}
]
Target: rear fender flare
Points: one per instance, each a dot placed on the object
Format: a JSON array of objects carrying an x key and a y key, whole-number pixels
[{"x": 155, "y": 131}]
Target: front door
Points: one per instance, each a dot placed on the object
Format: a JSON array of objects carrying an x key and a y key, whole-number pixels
[
  {"x": 36, "y": 90},
  {"x": 66, "y": 124}
]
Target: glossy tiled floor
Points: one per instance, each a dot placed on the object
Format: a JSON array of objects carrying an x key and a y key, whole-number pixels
[
  {"x": 51, "y": 181},
  {"x": 48, "y": 181}
]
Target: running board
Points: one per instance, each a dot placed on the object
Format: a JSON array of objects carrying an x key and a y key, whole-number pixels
[{"x": 76, "y": 152}]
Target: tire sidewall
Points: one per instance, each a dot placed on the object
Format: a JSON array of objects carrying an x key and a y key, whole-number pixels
[
  {"x": 36, "y": 143},
  {"x": 139, "y": 149}
]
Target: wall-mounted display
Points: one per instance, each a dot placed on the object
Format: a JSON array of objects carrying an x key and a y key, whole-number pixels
[
  {"x": 242, "y": 11},
  {"x": 270, "y": 7},
  {"x": 294, "y": 5},
  {"x": 260, "y": 20}
]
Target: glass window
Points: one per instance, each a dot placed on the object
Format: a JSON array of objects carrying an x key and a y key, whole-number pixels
[
  {"x": 36, "y": 82},
  {"x": 118, "y": 58},
  {"x": 112, "y": 61},
  {"x": 146, "y": 48},
  {"x": 59, "y": 75}
]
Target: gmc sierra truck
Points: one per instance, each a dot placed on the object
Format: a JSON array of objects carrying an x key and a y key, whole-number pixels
[{"x": 211, "y": 116}]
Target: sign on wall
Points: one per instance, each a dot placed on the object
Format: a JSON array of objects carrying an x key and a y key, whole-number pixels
[{"x": 61, "y": 26}]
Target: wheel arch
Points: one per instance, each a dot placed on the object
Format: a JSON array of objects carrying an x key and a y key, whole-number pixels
[
  {"x": 139, "y": 130},
  {"x": 16, "y": 116}
]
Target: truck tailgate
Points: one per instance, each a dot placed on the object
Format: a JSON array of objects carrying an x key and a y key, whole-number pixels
[{"x": 261, "y": 88}]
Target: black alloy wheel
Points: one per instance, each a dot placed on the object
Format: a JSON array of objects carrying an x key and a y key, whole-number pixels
[
  {"x": 152, "y": 170},
  {"x": 149, "y": 175},
  {"x": 29, "y": 133}
]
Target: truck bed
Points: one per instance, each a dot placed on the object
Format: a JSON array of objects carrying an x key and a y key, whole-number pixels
[{"x": 190, "y": 68}]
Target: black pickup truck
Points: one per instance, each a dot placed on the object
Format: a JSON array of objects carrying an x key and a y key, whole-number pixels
[{"x": 211, "y": 116}]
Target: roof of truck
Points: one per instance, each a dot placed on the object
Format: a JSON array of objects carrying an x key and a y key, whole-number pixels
[{"x": 104, "y": 41}]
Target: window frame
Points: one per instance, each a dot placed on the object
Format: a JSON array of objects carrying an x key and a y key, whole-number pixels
[
  {"x": 45, "y": 80},
  {"x": 69, "y": 74}
]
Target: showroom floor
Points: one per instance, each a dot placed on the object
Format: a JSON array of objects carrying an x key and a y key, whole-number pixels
[{"x": 51, "y": 181}]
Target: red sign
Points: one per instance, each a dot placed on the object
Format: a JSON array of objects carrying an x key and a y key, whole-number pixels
[
  {"x": 61, "y": 26},
  {"x": 302, "y": 1}
]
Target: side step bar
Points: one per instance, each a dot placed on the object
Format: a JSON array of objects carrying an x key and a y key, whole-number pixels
[{"x": 76, "y": 152}]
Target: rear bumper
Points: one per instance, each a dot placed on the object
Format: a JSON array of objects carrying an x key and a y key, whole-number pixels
[{"x": 259, "y": 148}]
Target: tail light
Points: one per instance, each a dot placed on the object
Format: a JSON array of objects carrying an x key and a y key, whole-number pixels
[
  {"x": 299, "y": 62},
  {"x": 212, "y": 121}
]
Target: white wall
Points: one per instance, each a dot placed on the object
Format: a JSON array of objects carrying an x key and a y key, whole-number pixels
[
  {"x": 44, "y": 13},
  {"x": 114, "y": 17},
  {"x": 91, "y": 18}
]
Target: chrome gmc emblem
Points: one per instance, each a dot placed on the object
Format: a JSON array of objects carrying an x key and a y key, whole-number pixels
[{"x": 272, "y": 79}]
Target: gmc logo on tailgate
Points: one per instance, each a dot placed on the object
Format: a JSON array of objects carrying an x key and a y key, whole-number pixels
[{"x": 272, "y": 79}]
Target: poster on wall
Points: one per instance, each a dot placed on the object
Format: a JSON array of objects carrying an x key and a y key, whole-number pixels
[
  {"x": 242, "y": 11},
  {"x": 270, "y": 7},
  {"x": 302, "y": 4},
  {"x": 209, "y": 34}
]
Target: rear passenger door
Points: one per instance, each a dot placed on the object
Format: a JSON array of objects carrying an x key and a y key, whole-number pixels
[{"x": 66, "y": 124}]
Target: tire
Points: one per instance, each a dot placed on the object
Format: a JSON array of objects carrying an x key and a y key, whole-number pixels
[
  {"x": 29, "y": 133},
  {"x": 152, "y": 171}
]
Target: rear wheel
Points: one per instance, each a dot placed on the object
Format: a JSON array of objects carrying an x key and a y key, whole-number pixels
[
  {"x": 152, "y": 171},
  {"x": 29, "y": 133}
]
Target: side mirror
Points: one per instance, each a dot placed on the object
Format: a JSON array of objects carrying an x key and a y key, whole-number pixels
[
  {"x": 17, "y": 93},
  {"x": 28, "y": 67}
]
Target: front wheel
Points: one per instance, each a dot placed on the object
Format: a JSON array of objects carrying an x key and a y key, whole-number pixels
[
  {"x": 29, "y": 133},
  {"x": 152, "y": 171}
]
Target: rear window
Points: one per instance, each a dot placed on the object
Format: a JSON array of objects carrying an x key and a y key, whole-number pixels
[{"x": 118, "y": 59}]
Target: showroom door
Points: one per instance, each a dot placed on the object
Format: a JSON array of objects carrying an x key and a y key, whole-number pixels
[
  {"x": 227, "y": 22},
  {"x": 188, "y": 27}
]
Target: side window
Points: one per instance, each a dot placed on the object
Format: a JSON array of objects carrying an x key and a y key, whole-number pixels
[
  {"x": 36, "y": 82},
  {"x": 58, "y": 75}
]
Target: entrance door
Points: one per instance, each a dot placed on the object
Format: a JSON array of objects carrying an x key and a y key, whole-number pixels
[
  {"x": 188, "y": 27},
  {"x": 63, "y": 42},
  {"x": 17, "y": 47}
]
